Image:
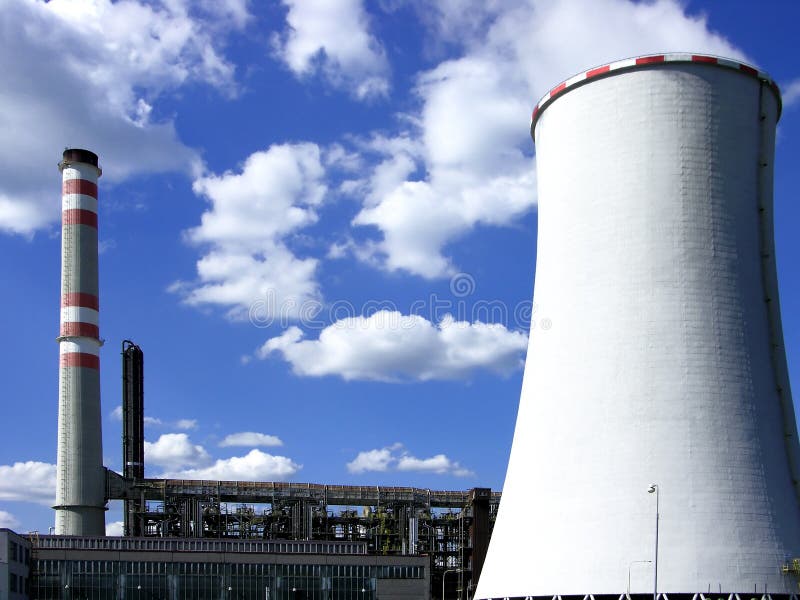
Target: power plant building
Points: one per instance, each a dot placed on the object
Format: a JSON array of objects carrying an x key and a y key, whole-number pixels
[{"x": 664, "y": 370}]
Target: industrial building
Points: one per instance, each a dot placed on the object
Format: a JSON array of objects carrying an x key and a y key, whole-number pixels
[
  {"x": 655, "y": 451},
  {"x": 215, "y": 539}
]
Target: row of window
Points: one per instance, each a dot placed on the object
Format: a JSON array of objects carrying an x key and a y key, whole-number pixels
[
  {"x": 18, "y": 552},
  {"x": 107, "y": 567},
  {"x": 200, "y": 545},
  {"x": 17, "y": 583}
]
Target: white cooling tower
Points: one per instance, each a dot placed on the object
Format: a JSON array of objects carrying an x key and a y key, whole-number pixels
[{"x": 665, "y": 362}]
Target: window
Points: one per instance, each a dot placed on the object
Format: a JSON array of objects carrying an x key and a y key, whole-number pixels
[{"x": 13, "y": 581}]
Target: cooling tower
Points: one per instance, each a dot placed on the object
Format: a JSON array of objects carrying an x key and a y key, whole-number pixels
[
  {"x": 664, "y": 364},
  {"x": 80, "y": 479}
]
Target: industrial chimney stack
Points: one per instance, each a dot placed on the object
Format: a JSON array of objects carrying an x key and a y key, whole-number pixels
[{"x": 80, "y": 486}]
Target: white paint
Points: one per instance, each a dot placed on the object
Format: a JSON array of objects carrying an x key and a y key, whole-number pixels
[
  {"x": 79, "y": 314},
  {"x": 81, "y": 201},
  {"x": 78, "y": 170},
  {"x": 81, "y": 345},
  {"x": 657, "y": 366}
]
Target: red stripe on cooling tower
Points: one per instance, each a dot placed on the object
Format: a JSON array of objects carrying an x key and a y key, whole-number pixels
[
  {"x": 646, "y": 60},
  {"x": 80, "y": 359},
  {"x": 79, "y": 216},
  {"x": 78, "y": 299},
  {"x": 704, "y": 59},
  {"x": 748, "y": 70},
  {"x": 597, "y": 71},
  {"x": 78, "y": 329},
  {"x": 535, "y": 112},
  {"x": 79, "y": 186},
  {"x": 559, "y": 88}
]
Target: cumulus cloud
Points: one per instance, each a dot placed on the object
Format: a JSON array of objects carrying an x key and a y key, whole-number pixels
[
  {"x": 333, "y": 38},
  {"x": 250, "y": 439},
  {"x": 29, "y": 481},
  {"x": 88, "y": 73},
  {"x": 186, "y": 424},
  {"x": 247, "y": 264},
  {"x": 8, "y": 520},
  {"x": 467, "y": 158},
  {"x": 389, "y": 346},
  {"x": 175, "y": 451},
  {"x": 378, "y": 459},
  {"x": 254, "y": 466},
  {"x": 397, "y": 458},
  {"x": 115, "y": 528}
]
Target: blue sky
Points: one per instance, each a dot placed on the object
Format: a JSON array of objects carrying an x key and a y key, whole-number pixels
[{"x": 318, "y": 220}]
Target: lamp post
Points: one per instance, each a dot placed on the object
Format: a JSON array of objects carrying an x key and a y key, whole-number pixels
[
  {"x": 633, "y": 562},
  {"x": 655, "y": 489},
  {"x": 444, "y": 576}
]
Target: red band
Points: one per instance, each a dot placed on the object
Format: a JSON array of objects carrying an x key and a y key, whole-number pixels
[
  {"x": 646, "y": 60},
  {"x": 78, "y": 329},
  {"x": 597, "y": 71},
  {"x": 79, "y": 216},
  {"x": 78, "y": 299},
  {"x": 80, "y": 359},
  {"x": 559, "y": 88},
  {"x": 704, "y": 59},
  {"x": 79, "y": 186},
  {"x": 748, "y": 70}
]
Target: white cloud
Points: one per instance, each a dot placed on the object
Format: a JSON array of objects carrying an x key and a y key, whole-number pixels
[
  {"x": 378, "y": 459},
  {"x": 254, "y": 466},
  {"x": 115, "y": 528},
  {"x": 397, "y": 458},
  {"x": 29, "y": 481},
  {"x": 250, "y": 439},
  {"x": 388, "y": 346},
  {"x": 334, "y": 38},
  {"x": 8, "y": 520},
  {"x": 247, "y": 266},
  {"x": 175, "y": 451},
  {"x": 154, "y": 421},
  {"x": 116, "y": 414},
  {"x": 86, "y": 73},
  {"x": 438, "y": 464},
  {"x": 468, "y": 158},
  {"x": 790, "y": 93},
  {"x": 186, "y": 424}
]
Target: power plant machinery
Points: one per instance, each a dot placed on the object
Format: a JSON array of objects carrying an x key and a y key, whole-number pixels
[{"x": 655, "y": 450}]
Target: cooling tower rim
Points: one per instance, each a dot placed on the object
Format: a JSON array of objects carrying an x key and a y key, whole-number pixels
[{"x": 650, "y": 61}]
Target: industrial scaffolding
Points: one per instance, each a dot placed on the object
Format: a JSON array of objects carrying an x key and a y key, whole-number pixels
[{"x": 451, "y": 527}]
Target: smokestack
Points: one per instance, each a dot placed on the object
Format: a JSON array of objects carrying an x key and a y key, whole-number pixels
[
  {"x": 133, "y": 429},
  {"x": 663, "y": 368},
  {"x": 80, "y": 483}
]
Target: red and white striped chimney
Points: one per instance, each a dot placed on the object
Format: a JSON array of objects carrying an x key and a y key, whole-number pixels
[{"x": 80, "y": 485}]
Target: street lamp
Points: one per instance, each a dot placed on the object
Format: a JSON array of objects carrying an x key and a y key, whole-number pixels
[
  {"x": 633, "y": 562},
  {"x": 655, "y": 489}
]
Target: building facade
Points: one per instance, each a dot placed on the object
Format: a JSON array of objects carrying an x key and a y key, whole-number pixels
[
  {"x": 109, "y": 568},
  {"x": 15, "y": 553}
]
